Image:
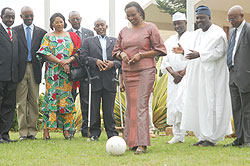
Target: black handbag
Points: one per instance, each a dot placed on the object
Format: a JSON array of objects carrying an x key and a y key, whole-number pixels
[{"x": 79, "y": 72}]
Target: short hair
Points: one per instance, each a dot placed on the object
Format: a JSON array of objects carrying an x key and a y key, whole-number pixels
[
  {"x": 74, "y": 12},
  {"x": 4, "y": 9},
  {"x": 99, "y": 19},
  {"x": 137, "y": 6},
  {"x": 53, "y": 17},
  {"x": 26, "y": 7}
]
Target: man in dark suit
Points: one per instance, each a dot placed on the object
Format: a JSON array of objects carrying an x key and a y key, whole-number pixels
[
  {"x": 30, "y": 37},
  {"x": 238, "y": 60},
  {"x": 8, "y": 73},
  {"x": 98, "y": 52},
  {"x": 75, "y": 21}
]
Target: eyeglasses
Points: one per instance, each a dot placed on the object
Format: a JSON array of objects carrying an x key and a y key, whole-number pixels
[
  {"x": 234, "y": 18},
  {"x": 231, "y": 19},
  {"x": 75, "y": 19},
  {"x": 28, "y": 15}
]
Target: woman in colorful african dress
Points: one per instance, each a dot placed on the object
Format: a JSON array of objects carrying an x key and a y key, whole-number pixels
[
  {"x": 137, "y": 46},
  {"x": 57, "y": 49}
]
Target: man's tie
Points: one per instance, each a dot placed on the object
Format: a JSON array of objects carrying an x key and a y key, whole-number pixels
[
  {"x": 78, "y": 33},
  {"x": 28, "y": 37},
  {"x": 230, "y": 50},
  {"x": 9, "y": 33}
]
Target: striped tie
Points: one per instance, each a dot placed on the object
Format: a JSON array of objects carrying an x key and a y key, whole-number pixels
[
  {"x": 230, "y": 50},
  {"x": 9, "y": 33}
]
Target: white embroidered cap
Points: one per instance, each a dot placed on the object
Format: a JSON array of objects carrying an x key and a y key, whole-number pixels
[{"x": 178, "y": 16}]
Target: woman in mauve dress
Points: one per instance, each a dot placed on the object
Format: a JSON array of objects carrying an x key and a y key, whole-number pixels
[{"x": 137, "y": 46}]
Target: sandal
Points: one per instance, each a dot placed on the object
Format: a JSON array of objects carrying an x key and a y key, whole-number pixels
[
  {"x": 46, "y": 134},
  {"x": 66, "y": 136},
  {"x": 140, "y": 150},
  {"x": 133, "y": 148}
]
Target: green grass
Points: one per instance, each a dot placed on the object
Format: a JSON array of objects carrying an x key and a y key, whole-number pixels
[{"x": 59, "y": 152}]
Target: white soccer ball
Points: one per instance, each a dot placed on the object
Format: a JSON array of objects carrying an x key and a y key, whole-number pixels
[{"x": 116, "y": 145}]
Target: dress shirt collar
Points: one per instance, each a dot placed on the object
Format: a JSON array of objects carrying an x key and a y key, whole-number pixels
[
  {"x": 5, "y": 27},
  {"x": 100, "y": 37},
  {"x": 74, "y": 30},
  {"x": 31, "y": 27},
  {"x": 241, "y": 26}
]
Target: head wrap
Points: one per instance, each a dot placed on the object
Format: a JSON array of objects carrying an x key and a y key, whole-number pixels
[
  {"x": 203, "y": 10},
  {"x": 179, "y": 16}
]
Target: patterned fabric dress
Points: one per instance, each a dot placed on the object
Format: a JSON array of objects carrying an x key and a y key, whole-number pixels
[{"x": 58, "y": 105}]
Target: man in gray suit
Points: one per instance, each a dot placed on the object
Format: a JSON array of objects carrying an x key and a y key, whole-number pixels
[
  {"x": 98, "y": 52},
  {"x": 30, "y": 37},
  {"x": 238, "y": 60},
  {"x": 75, "y": 21}
]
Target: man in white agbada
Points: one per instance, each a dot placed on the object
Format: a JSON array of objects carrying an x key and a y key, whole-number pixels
[
  {"x": 175, "y": 65},
  {"x": 207, "y": 106}
]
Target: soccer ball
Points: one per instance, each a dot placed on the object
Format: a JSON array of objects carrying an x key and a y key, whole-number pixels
[{"x": 116, "y": 145}]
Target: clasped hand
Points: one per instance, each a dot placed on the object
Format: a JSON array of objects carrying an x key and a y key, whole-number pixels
[
  {"x": 104, "y": 65},
  {"x": 178, "y": 75},
  {"x": 65, "y": 65},
  {"x": 127, "y": 60}
]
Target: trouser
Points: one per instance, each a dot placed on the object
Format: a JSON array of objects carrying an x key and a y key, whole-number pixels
[
  {"x": 27, "y": 103},
  {"x": 108, "y": 99},
  {"x": 241, "y": 110},
  {"x": 178, "y": 133},
  {"x": 7, "y": 106},
  {"x": 84, "y": 97}
]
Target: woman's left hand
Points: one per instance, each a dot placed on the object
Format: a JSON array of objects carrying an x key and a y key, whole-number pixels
[
  {"x": 136, "y": 58},
  {"x": 66, "y": 69},
  {"x": 64, "y": 62}
]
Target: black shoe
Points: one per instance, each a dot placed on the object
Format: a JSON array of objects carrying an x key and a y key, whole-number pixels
[
  {"x": 2, "y": 141},
  {"x": 207, "y": 143},
  {"x": 197, "y": 143},
  {"x": 84, "y": 134},
  {"x": 236, "y": 142},
  {"x": 23, "y": 138},
  {"x": 94, "y": 138},
  {"x": 31, "y": 137},
  {"x": 10, "y": 140}
]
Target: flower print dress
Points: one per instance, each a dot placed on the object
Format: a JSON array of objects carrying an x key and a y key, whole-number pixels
[{"x": 58, "y": 105}]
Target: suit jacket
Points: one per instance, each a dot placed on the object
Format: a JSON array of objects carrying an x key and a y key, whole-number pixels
[
  {"x": 8, "y": 56},
  {"x": 85, "y": 34},
  {"x": 92, "y": 51},
  {"x": 37, "y": 37},
  {"x": 242, "y": 59}
]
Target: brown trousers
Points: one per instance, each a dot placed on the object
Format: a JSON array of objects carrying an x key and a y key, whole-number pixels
[{"x": 27, "y": 103}]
